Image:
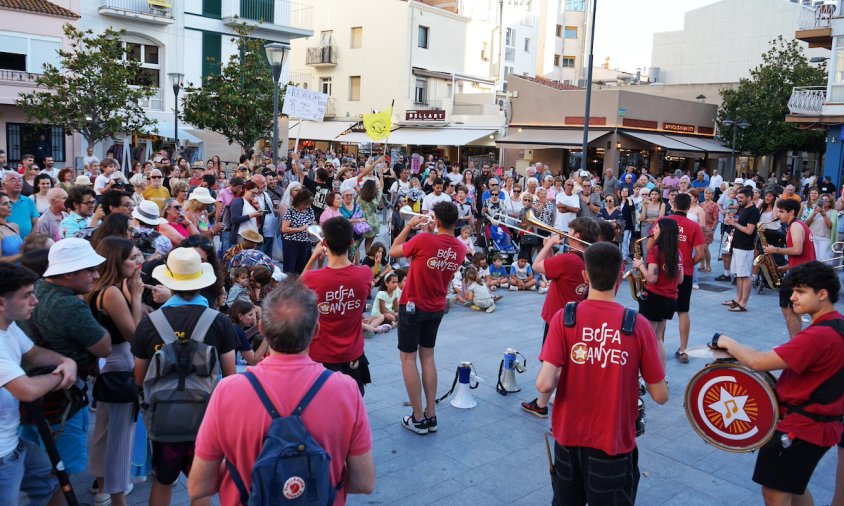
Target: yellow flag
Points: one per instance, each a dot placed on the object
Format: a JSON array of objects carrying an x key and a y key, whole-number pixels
[{"x": 378, "y": 125}]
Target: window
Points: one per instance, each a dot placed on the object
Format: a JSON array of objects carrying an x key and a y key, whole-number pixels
[
  {"x": 420, "y": 94},
  {"x": 357, "y": 37},
  {"x": 485, "y": 51},
  {"x": 507, "y": 71},
  {"x": 510, "y": 38},
  {"x": 325, "y": 85},
  {"x": 527, "y": 45},
  {"x": 559, "y": 30},
  {"x": 836, "y": 88},
  {"x": 570, "y": 32},
  {"x": 212, "y": 44},
  {"x": 556, "y": 60},
  {"x": 354, "y": 88},
  {"x": 576, "y": 5},
  {"x": 147, "y": 55},
  {"x": 212, "y": 8},
  {"x": 423, "y": 37},
  {"x": 13, "y": 61},
  {"x": 568, "y": 62},
  {"x": 20, "y": 138}
]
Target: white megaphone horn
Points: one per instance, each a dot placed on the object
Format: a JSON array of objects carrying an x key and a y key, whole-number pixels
[
  {"x": 462, "y": 387},
  {"x": 507, "y": 370}
]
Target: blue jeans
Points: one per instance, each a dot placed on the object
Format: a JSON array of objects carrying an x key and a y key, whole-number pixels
[
  {"x": 26, "y": 471},
  {"x": 72, "y": 442}
]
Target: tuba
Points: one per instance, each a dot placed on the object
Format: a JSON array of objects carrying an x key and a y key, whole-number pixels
[
  {"x": 635, "y": 278},
  {"x": 766, "y": 263}
]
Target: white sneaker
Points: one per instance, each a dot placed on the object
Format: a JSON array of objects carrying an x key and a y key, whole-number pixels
[
  {"x": 533, "y": 288},
  {"x": 514, "y": 288},
  {"x": 696, "y": 286},
  {"x": 491, "y": 309},
  {"x": 103, "y": 499},
  {"x": 544, "y": 289}
]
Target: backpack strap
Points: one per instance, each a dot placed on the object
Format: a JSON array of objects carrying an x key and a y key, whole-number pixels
[
  {"x": 162, "y": 326},
  {"x": 628, "y": 322},
  {"x": 262, "y": 394},
  {"x": 570, "y": 314},
  {"x": 238, "y": 482},
  {"x": 206, "y": 319},
  {"x": 837, "y": 324},
  {"x": 311, "y": 393}
]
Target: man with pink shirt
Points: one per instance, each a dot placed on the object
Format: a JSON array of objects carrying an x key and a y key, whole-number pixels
[{"x": 336, "y": 417}]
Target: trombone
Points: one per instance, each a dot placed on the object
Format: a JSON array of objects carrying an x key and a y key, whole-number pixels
[
  {"x": 407, "y": 213},
  {"x": 503, "y": 219},
  {"x": 532, "y": 220},
  {"x": 315, "y": 234}
]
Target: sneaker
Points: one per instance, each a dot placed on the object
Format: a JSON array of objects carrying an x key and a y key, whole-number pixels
[
  {"x": 384, "y": 328},
  {"x": 368, "y": 333},
  {"x": 496, "y": 298},
  {"x": 514, "y": 288},
  {"x": 695, "y": 286},
  {"x": 475, "y": 307},
  {"x": 103, "y": 499},
  {"x": 432, "y": 423},
  {"x": 544, "y": 289},
  {"x": 533, "y": 408},
  {"x": 722, "y": 277},
  {"x": 418, "y": 426},
  {"x": 491, "y": 309},
  {"x": 533, "y": 288}
]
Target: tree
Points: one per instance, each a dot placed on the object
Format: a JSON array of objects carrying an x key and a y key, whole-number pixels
[
  {"x": 762, "y": 100},
  {"x": 238, "y": 102},
  {"x": 89, "y": 93}
]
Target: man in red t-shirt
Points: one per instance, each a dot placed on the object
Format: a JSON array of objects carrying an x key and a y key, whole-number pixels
[
  {"x": 341, "y": 289},
  {"x": 565, "y": 273},
  {"x": 799, "y": 248},
  {"x": 594, "y": 355},
  {"x": 812, "y": 358},
  {"x": 690, "y": 239},
  {"x": 434, "y": 260}
]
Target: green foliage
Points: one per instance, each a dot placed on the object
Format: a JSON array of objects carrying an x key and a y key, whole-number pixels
[
  {"x": 238, "y": 102},
  {"x": 89, "y": 93},
  {"x": 762, "y": 100}
]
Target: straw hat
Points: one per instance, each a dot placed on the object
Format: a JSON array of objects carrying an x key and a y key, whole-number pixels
[
  {"x": 71, "y": 255},
  {"x": 199, "y": 164},
  {"x": 251, "y": 235},
  {"x": 82, "y": 181},
  {"x": 147, "y": 212},
  {"x": 201, "y": 194},
  {"x": 185, "y": 271}
]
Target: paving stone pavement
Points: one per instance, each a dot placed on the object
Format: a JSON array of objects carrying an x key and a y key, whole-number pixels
[{"x": 495, "y": 453}]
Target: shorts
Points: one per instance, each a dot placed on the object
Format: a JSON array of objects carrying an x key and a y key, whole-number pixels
[
  {"x": 26, "y": 470},
  {"x": 742, "y": 262},
  {"x": 684, "y": 294},
  {"x": 656, "y": 307},
  {"x": 170, "y": 459},
  {"x": 544, "y": 335},
  {"x": 357, "y": 370},
  {"x": 586, "y": 475},
  {"x": 71, "y": 441},
  {"x": 787, "y": 469},
  {"x": 418, "y": 329}
]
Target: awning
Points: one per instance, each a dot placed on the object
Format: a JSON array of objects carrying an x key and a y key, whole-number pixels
[
  {"x": 709, "y": 145},
  {"x": 166, "y": 130},
  {"x": 663, "y": 141},
  {"x": 318, "y": 131},
  {"x": 437, "y": 136},
  {"x": 355, "y": 138},
  {"x": 539, "y": 138}
]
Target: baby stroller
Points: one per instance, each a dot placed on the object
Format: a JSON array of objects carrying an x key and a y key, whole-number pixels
[{"x": 499, "y": 240}]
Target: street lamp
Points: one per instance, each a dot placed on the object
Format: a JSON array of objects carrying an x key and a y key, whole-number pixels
[
  {"x": 588, "y": 89},
  {"x": 742, "y": 124},
  {"x": 177, "y": 80},
  {"x": 276, "y": 52}
]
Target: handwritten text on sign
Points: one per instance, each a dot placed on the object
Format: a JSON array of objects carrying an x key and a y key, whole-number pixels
[{"x": 304, "y": 104}]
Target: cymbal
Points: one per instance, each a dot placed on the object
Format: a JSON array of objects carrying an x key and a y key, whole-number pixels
[{"x": 706, "y": 352}]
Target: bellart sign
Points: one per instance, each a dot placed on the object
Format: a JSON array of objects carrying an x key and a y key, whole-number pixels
[
  {"x": 676, "y": 127},
  {"x": 431, "y": 115}
]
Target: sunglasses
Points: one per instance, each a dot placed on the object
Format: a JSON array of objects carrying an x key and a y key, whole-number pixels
[
  {"x": 494, "y": 194},
  {"x": 156, "y": 177}
]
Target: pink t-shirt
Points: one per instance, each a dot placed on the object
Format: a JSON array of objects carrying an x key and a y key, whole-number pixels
[
  {"x": 327, "y": 214},
  {"x": 236, "y": 422}
]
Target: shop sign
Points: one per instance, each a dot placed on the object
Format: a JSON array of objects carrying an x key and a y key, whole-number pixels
[
  {"x": 429, "y": 115},
  {"x": 676, "y": 127}
]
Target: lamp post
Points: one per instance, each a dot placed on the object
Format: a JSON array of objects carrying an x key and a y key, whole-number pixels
[
  {"x": 276, "y": 53},
  {"x": 736, "y": 124},
  {"x": 177, "y": 80},
  {"x": 588, "y": 89}
]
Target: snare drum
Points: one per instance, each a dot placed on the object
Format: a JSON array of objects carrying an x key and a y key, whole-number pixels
[{"x": 731, "y": 406}]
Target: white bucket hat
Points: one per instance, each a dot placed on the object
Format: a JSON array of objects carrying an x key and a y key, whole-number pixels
[
  {"x": 71, "y": 255},
  {"x": 147, "y": 212},
  {"x": 185, "y": 271},
  {"x": 201, "y": 194},
  {"x": 82, "y": 181}
]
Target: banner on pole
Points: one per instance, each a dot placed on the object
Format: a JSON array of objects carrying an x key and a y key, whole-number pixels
[{"x": 304, "y": 104}]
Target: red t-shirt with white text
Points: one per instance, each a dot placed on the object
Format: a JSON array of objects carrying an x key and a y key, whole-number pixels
[
  {"x": 813, "y": 356},
  {"x": 665, "y": 285},
  {"x": 565, "y": 272},
  {"x": 435, "y": 259},
  {"x": 594, "y": 356},
  {"x": 341, "y": 300},
  {"x": 690, "y": 237}
]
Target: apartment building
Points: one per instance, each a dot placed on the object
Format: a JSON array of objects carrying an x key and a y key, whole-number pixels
[{"x": 564, "y": 33}]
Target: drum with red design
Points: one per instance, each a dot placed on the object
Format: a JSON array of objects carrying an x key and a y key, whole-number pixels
[{"x": 731, "y": 406}]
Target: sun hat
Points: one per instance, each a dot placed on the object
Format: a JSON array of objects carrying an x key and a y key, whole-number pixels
[
  {"x": 584, "y": 173},
  {"x": 82, "y": 181},
  {"x": 147, "y": 212},
  {"x": 251, "y": 236},
  {"x": 201, "y": 194},
  {"x": 199, "y": 164},
  {"x": 738, "y": 181},
  {"x": 71, "y": 255},
  {"x": 185, "y": 271},
  {"x": 678, "y": 173}
]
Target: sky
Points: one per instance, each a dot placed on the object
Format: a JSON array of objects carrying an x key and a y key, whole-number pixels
[{"x": 625, "y": 28}]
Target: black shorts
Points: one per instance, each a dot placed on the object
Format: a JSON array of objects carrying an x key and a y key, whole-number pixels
[
  {"x": 684, "y": 294},
  {"x": 544, "y": 335},
  {"x": 785, "y": 295},
  {"x": 787, "y": 469},
  {"x": 170, "y": 459},
  {"x": 357, "y": 370},
  {"x": 417, "y": 329},
  {"x": 587, "y": 475},
  {"x": 656, "y": 307}
]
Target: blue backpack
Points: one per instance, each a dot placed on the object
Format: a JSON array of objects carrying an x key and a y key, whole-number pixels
[{"x": 292, "y": 467}]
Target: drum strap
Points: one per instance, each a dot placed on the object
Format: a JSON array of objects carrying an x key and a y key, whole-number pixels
[{"x": 628, "y": 321}]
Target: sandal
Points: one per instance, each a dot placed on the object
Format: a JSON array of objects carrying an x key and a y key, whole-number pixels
[
  {"x": 730, "y": 303},
  {"x": 737, "y": 309},
  {"x": 681, "y": 357}
]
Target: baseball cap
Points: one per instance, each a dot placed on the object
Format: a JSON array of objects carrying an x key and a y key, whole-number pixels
[{"x": 71, "y": 255}]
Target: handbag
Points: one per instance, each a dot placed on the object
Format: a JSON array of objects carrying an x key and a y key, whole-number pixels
[
  {"x": 59, "y": 405},
  {"x": 117, "y": 387},
  {"x": 361, "y": 227}
]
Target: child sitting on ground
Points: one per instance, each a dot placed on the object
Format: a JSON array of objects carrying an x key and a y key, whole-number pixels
[
  {"x": 240, "y": 287},
  {"x": 466, "y": 239},
  {"x": 498, "y": 276},
  {"x": 522, "y": 277},
  {"x": 262, "y": 283},
  {"x": 244, "y": 316},
  {"x": 480, "y": 263},
  {"x": 386, "y": 302},
  {"x": 477, "y": 294}
]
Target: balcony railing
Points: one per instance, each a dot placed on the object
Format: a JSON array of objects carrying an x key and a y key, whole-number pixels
[
  {"x": 18, "y": 76},
  {"x": 820, "y": 16},
  {"x": 298, "y": 79},
  {"x": 271, "y": 14},
  {"x": 807, "y": 100},
  {"x": 322, "y": 56},
  {"x": 433, "y": 105},
  {"x": 152, "y": 8}
]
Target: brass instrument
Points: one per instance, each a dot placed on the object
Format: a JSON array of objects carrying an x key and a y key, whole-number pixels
[
  {"x": 407, "y": 213},
  {"x": 635, "y": 278},
  {"x": 535, "y": 222},
  {"x": 502, "y": 219},
  {"x": 766, "y": 263}
]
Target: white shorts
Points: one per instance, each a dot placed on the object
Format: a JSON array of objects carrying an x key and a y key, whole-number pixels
[{"x": 742, "y": 262}]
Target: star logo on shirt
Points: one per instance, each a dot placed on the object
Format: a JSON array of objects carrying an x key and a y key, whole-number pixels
[
  {"x": 730, "y": 407},
  {"x": 578, "y": 353}
]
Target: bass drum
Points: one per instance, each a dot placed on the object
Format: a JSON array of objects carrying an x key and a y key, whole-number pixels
[{"x": 731, "y": 406}]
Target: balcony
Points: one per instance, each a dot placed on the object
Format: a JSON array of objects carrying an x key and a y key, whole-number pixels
[
  {"x": 275, "y": 16},
  {"x": 18, "y": 77},
  {"x": 322, "y": 56},
  {"x": 814, "y": 26},
  {"x": 807, "y": 100},
  {"x": 158, "y": 12}
]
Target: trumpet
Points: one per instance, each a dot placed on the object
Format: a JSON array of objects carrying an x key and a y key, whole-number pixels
[
  {"x": 315, "y": 233},
  {"x": 504, "y": 220},
  {"x": 532, "y": 220},
  {"x": 407, "y": 213}
]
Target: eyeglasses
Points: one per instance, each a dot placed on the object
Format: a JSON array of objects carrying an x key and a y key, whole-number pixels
[
  {"x": 178, "y": 208},
  {"x": 128, "y": 205},
  {"x": 88, "y": 202},
  {"x": 569, "y": 184}
]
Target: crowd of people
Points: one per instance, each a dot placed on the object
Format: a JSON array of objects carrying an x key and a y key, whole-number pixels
[{"x": 122, "y": 280}]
